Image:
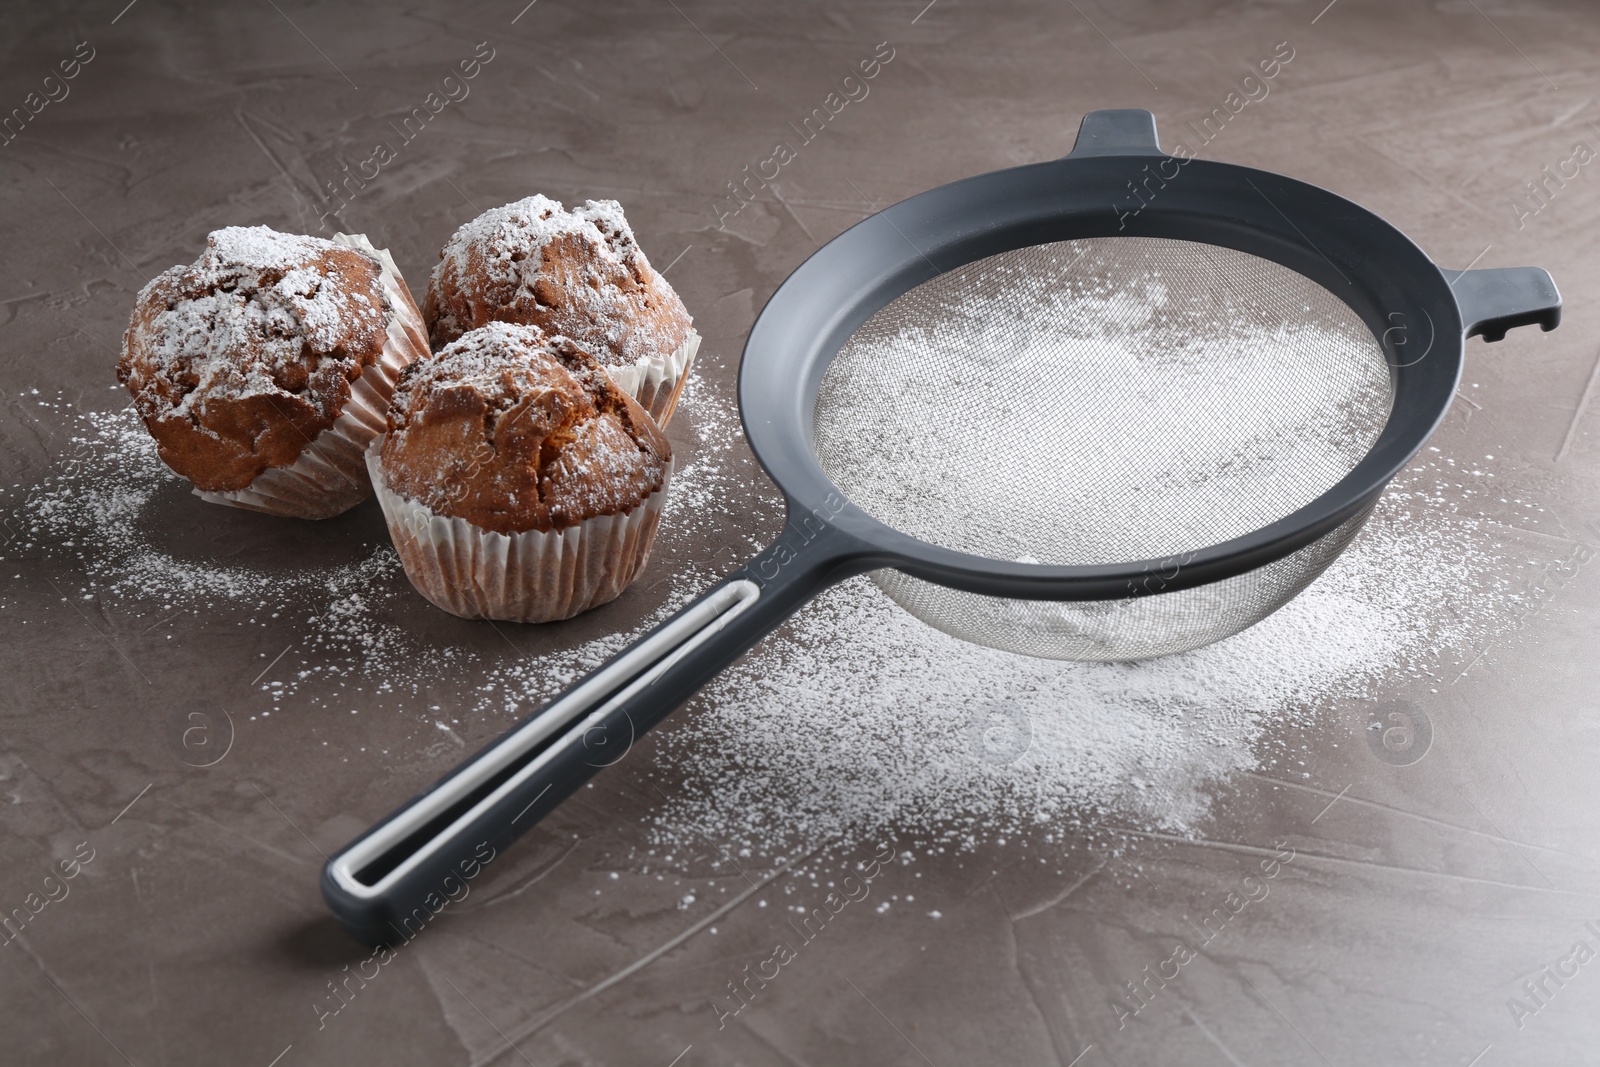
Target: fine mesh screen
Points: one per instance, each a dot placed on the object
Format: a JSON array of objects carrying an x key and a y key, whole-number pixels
[{"x": 1102, "y": 401}]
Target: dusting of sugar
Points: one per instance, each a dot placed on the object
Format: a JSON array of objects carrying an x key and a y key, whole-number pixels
[
  {"x": 503, "y": 250},
  {"x": 241, "y": 318},
  {"x": 853, "y": 717},
  {"x": 858, "y": 719},
  {"x": 1100, "y": 402},
  {"x": 599, "y": 468}
]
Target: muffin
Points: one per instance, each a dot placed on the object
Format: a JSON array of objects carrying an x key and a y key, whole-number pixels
[
  {"x": 264, "y": 368},
  {"x": 578, "y": 273},
  {"x": 519, "y": 481}
]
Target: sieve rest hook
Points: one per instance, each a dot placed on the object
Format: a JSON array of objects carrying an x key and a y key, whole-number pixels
[
  {"x": 1127, "y": 131},
  {"x": 1495, "y": 300}
]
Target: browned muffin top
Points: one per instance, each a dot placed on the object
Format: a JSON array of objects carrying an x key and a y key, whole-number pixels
[
  {"x": 579, "y": 273},
  {"x": 512, "y": 429},
  {"x": 237, "y": 361}
]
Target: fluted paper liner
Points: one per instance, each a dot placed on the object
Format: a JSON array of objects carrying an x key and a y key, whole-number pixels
[
  {"x": 656, "y": 380},
  {"x": 330, "y": 475},
  {"x": 535, "y": 576}
]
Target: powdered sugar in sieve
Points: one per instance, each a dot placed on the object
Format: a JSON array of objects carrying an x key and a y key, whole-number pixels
[{"x": 1101, "y": 401}]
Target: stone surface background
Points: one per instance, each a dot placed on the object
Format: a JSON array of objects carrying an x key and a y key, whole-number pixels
[{"x": 1422, "y": 896}]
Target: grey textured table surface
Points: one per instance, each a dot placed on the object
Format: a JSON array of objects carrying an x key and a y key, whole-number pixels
[{"x": 1427, "y": 898}]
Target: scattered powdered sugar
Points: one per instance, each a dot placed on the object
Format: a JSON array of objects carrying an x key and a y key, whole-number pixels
[
  {"x": 853, "y": 717},
  {"x": 859, "y": 719},
  {"x": 95, "y": 511},
  {"x": 99, "y": 510},
  {"x": 712, "y": 497}
]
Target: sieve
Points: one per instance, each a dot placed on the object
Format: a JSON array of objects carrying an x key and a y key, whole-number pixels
[{"x": 1111, "y": 406}]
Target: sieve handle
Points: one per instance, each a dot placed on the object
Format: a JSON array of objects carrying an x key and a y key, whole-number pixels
[
  {"x": 1502, "y": 298},
  {"x": 1117, "y": 132},
  {"x": 394, "y": 878}
]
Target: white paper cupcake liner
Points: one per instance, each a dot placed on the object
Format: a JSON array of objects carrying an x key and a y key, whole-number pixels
[
  {"x": 536, "y": 576},
  {"x": 656, "y": 380},
  {"x": 330, "y": 476}
]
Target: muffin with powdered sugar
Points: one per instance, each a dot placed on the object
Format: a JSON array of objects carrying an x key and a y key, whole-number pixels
[
  {"x": 578, "y": 273},
  {"x": 264, "y": 368},
  {"x": 519, "y": 481}
]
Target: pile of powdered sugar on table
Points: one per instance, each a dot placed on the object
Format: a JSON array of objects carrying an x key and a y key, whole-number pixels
[{"x": 853, "y": 716}]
